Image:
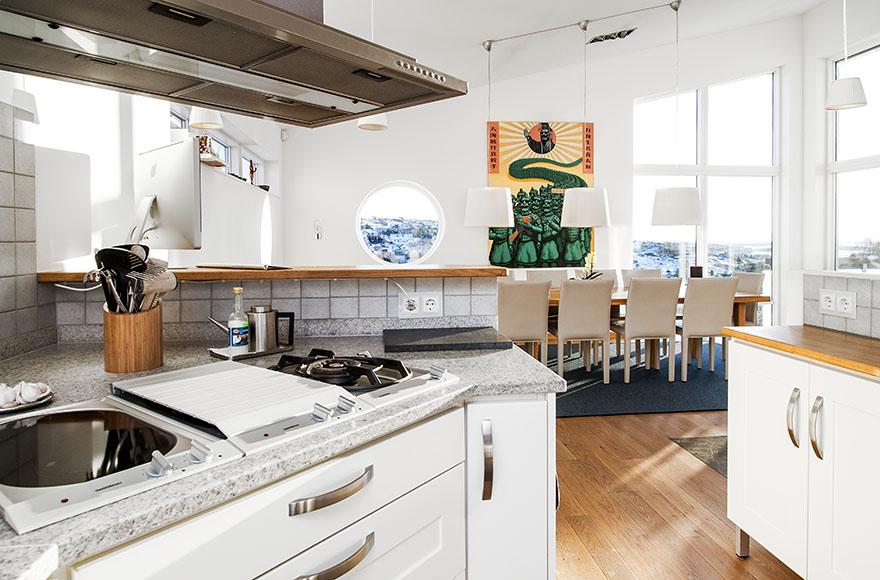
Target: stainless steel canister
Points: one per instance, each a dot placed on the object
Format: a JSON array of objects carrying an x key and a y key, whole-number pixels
[{"x": 263, "y": 328}]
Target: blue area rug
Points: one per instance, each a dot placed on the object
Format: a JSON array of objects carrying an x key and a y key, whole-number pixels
[{"x": 647, "y": 392}]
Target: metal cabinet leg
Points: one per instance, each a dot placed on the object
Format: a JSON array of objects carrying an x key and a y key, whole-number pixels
[{"x": 742, "y": 543}]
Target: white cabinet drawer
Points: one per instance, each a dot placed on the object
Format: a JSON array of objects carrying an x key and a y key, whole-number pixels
[
  {"x": 420, "y": 536},
  {"x": 250, "y": 535}
]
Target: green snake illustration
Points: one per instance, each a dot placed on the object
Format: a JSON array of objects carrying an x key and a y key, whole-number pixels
[{"x": 521, "y": 170}]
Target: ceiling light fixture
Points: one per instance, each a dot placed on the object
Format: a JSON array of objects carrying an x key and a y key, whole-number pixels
[
  {"x": 845, "y": 93},
  {"x": 678, "y": 205},
  {"x": 201, "y": 118},
  {"x": 373, "y": 122},
  {"x": 620, "y": 34}
]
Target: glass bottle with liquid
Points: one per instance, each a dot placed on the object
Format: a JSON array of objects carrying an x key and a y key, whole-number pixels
[{"x": 238, "y": 325}]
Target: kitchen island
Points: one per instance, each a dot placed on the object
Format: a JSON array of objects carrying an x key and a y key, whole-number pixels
[{"x": 75, "y": 372}]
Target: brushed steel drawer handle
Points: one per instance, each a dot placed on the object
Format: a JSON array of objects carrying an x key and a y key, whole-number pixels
[
  {"x": 488, "y": 460},
  {"x": 789, "y": 416},
  {"x": 310, "y": 504},
  {"x": 814, "y": 419},
  {"x": 346, "y": 565}
]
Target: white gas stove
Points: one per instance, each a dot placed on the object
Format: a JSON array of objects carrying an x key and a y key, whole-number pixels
[{"x": 152, "y": 430}]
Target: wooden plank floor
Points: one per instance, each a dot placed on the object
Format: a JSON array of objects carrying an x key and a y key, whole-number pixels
[{"x": 636, "y": 506}]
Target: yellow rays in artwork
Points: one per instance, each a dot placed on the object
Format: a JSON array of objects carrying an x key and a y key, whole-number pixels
[{"x": 512, "y": 143}]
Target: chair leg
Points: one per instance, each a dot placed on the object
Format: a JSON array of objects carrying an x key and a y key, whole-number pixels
[
  {"x": 699, "y": 352},
  {"x": 638, "y": 352},
  {"x": 665, "y": 346},
  {"x": 711, "y": 354},
  {"x": 626, "y": 361},
  {"x": 724, "y": 350},
  {"x": 595, "y": 351},
  {"x": 685, "y": 344},
  {"x": 559, "y": 360},
  {"x": 671, "y": 359},
  {"x": 616, "y": 344},
  {"x": 657, "y": 354},
  {"x": 606, "y": 370},
  {"x": 543, "y": 345},
  {"x": 648, "y": 358}
]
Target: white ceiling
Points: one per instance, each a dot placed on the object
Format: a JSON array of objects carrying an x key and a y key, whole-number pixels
[{"x": 447, "y": 34}]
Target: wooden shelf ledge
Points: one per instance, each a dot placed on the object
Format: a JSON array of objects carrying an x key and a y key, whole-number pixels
[{"x": 311, "y": 273}]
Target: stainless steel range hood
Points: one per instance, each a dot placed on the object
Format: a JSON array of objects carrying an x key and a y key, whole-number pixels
[{"x": 241, "y": 56}]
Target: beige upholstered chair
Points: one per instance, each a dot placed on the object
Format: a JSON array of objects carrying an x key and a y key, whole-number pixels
[
  {"x": 610, "y": 274},
  {"x": 554, "y": 275},
  {"x": 628, "y": 275},
  {"x": 752, "y": 283},
  {"x": 650, "y": 315},
  {"x": 585, "y": 316},
  {"x": 708, "y": 304},
  {"x": 522, "y": 312}
]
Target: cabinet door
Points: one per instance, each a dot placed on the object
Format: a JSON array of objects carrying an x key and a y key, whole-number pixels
[
  {"x": 507, "y": 532},
  {"x": 844, "y": 500},
  {"x": 767, "y": 474},
  {"x": 419, "y": 536}
]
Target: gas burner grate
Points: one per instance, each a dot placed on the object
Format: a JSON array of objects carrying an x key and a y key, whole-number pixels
[{"x": 354, "y": 373}]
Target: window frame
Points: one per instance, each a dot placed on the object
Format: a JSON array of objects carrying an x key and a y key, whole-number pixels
[
  {"x": 441, "y": 218},
  {"x": 703, "y": 171},
  {"x": 833, "y": 167}
]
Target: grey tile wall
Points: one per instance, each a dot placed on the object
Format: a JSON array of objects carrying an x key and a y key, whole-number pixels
[
  {"x": 364, "y": 306},
  {"x": 867, "y": 320},
  {"x": 27, "y": 314}
]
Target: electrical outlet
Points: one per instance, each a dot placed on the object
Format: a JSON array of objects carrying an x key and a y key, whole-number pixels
[
  {"x": 846, "y": 304},
  {"x": 827, "y": 301},
  {"x": 432, "y": 304},
  {"x": 420, "y": 304}
]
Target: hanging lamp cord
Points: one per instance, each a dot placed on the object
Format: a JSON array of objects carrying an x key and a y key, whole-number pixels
[{"x": 675, "y": 154}]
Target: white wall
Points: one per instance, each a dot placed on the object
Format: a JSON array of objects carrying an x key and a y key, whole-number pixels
[{"x": 442, "y": 145}]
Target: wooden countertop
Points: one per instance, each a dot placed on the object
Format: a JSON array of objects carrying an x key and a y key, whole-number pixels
[
  {"x": 840, "y": 349},
  {"x": 312, "y": 272}
]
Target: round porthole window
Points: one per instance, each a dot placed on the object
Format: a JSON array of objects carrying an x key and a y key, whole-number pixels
[{"x": 400, "y": 223}]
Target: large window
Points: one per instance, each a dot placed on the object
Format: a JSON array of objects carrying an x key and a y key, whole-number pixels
[
  {"x": 855, "y": 169},
  {"x": 725, "y": 146}
]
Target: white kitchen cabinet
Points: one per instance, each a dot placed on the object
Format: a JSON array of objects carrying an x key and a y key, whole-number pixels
[
  {"x": 817, "y": 514},
  {"x": 250, "y": 535},
  {"x": 419, "y": 536},
  {"x": 510, "y": 488},
  {"x": 844, "y": 501},
  {"x": 767, "y": 473}
]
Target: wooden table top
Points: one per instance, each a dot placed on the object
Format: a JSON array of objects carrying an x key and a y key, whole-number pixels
[
  {"x": 618, "y": 298},
  {"x": 849, "y": 351},
  {"x": 312, "y": 272}
]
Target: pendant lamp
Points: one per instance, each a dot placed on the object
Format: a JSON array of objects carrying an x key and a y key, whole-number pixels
[
  {"x": 845, "y": 93},
  {"x": 201, "y": 118}
]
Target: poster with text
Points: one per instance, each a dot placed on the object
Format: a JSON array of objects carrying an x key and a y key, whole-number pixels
[{"x": 538, "y": 161}]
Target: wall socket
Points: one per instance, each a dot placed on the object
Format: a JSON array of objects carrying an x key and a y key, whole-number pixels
[
  {"x": 837, "y": 303},
  {"x": 420, "y": 305}
]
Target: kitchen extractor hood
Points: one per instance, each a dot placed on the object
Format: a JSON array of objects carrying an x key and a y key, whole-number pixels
[{"x": 241, "y": 56}]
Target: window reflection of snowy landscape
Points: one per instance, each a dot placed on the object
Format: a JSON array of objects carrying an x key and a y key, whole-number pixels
[{"x": 399, "y": 223}]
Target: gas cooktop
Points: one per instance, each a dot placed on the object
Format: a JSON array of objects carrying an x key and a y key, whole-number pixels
[{"x": 163, "y": 427}]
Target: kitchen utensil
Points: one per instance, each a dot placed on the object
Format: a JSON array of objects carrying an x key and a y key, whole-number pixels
[
  {"x": 142, "y": 251},
  {"x": 107, "y": 277},
  {"x": 263, "y": 328},
  {"x": 156, "y": 287},
  {"x": 25, "y": 406}
]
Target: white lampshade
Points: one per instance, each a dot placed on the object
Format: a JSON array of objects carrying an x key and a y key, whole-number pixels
[
  {"x": 373, "y": 123},
  {"x": 585, "y": 207},
  {"x": 25, "y": 106},
  {"x": 845, "y": 94},
  {"x": 489, "y": 207},
  {"x": 201, "y": 118},
  {"x": 677, "y": 206}
]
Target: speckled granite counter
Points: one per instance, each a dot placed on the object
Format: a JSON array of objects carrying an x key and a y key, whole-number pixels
[{"x": 75, "y": 372}]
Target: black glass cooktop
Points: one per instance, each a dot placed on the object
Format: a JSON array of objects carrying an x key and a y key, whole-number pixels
[{"x": 77, "y": 446}]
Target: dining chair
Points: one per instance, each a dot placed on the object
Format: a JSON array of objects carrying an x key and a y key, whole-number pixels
[
  {"x": 708, "y": 304},
  {"x": 585, "y": 316},
  {"x": 752, "y": 283},
  {"x": 628, "y": 275},
  {"x": 554, "y": 275},
  {"x": 608, "y": 274},
  {"x": 650, "y": 315},
  {"x": 522, "y": 312}
]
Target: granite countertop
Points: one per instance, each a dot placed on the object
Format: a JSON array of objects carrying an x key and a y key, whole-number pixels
[
  {"x": 75, "y": 372},
  {"x": 840, "y": 349}
]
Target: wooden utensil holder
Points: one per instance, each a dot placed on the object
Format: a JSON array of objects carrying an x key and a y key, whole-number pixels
[{"x": 133, "y": 342}]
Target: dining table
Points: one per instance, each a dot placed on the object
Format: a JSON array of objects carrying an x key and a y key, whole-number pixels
[{"x": 740, "y": 301}]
